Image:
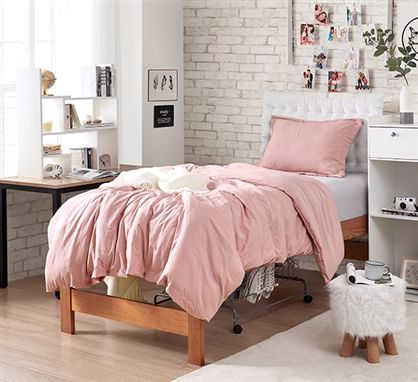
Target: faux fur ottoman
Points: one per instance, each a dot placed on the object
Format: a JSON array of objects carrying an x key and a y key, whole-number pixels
[{"x": 368, "y": 312}]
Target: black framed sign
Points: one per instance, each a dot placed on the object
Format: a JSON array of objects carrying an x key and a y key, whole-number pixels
[{"x": 163, "y": 116}]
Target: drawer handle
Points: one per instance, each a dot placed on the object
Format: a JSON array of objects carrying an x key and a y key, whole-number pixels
[{"x": 394, "y": 134}]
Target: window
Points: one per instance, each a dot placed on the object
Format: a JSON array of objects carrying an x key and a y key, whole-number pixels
[{"x": 55, "y": 35}]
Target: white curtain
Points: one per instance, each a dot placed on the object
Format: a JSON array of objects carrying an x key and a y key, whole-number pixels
[{"x": 59, "y": 35}]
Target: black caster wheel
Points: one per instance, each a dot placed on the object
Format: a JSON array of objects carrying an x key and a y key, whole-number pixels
[
  {"x": 237, "y": 329},
  {"x": 307, "y": 299},
  {"x": 57, "y": 295}
]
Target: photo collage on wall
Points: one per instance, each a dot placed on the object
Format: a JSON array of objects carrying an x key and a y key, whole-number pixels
[{"x": 325, "y": 36}]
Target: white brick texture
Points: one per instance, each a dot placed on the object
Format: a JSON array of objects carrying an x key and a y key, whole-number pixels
[{"x": 237, "y": 50}]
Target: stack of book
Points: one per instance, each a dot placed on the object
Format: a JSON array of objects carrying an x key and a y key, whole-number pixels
[
  {"x": 50, "y": 149},
  {"x": 98, "y": 81}
]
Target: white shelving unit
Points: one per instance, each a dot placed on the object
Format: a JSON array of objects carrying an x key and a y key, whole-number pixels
[
  {"x": 34, "y": 110},
  {"x": 393, "y": 171}
]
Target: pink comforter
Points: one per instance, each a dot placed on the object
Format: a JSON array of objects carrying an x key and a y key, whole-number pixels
[{"x": 198, "y": 246}]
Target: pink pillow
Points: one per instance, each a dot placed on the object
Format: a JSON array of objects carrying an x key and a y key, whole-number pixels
[{"x": 310, "y": 147}]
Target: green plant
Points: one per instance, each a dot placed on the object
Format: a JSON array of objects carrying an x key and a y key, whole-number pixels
[{"x": 383, "y": 42}]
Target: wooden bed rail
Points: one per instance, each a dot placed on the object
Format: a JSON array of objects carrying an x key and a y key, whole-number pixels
[{"x": 150, "y": 316}]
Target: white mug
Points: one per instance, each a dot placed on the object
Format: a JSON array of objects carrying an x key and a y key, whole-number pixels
[{"x": 375, "y": 270}]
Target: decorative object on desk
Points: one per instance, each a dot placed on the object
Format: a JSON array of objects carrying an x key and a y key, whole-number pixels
[
  {"x": 409, "y": 272},
  {"x": 48, "y": 81},
  {"x": 307, "y": 34},
  {"x": 321, "y": 14},
  {"x": 383, "y": 42},
  {"x": 162, "y": 85},
  {"x": 163, "y": 116},
  {"x": 52, "y": 170},
  {"x": 105, "y": 162},
  {"x": 320, "y": 57},
  {"x": 89, "y": 174},
  {"x": 308, "y": 78},
  {"x": 354, "y": 15},
  {"x": 362, "y": 80},
  {"x": 335, "y": 79},
  {"x": 47, "y": 126}
]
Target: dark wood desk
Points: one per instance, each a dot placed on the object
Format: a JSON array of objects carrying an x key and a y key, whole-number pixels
[{"x": 54, "y": 187}]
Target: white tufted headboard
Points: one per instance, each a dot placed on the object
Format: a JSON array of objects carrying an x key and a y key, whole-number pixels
[{"x": 321, "y": 107}]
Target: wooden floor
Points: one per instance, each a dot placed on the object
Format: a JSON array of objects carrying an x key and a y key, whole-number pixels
[{"x": 32, "y": 348}]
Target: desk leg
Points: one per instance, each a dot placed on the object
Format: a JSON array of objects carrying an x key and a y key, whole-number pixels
[
  {"x": 3, "y": 238},
  {"x": 56, "y": 201}
]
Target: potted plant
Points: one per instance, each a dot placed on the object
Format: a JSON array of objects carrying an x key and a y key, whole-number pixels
[{"x": 400, "y": 60}]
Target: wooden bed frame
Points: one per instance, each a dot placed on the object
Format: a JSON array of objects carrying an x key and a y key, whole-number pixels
[{"x": 157, "y": 317}]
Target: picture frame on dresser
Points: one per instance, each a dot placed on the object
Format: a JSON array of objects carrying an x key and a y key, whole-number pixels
[{"x": 409, "y": 272}]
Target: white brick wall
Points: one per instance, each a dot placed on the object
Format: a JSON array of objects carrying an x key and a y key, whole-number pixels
[
  {"x": 235, "y": 50},
  {"x": 28, "y": 215}
]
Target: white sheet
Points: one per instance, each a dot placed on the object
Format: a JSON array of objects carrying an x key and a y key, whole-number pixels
[{"x": 350, "y": 193}]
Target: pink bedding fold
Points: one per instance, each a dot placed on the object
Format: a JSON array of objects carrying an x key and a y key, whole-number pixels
[{"x": 198, "y": 246}]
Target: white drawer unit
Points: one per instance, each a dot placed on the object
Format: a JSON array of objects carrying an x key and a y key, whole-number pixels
[
  {"x": 393, "y": 171},
  {"x": 396, "y": 143}
]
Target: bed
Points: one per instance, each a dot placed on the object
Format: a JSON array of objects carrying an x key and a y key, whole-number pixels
[{"x": 353, "y": 222}]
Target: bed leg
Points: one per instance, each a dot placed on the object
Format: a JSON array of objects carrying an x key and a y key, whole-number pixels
[
  {"x": 67, "y": 314},
  {"x": 196, "y": 341}
]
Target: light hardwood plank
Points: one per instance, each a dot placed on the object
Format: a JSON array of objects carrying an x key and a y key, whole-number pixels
[{"x": 33, "y": 348}]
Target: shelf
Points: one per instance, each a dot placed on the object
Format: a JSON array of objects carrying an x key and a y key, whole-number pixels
[
  {"x": 56, "y": 97},
  {"x": 88, "y": 98},
  {"x": 80, "y": 130},
  {"x": 394, "y": 160},
  {"x": 56, "y": 155},
  {"x": 393, "y": 217}
]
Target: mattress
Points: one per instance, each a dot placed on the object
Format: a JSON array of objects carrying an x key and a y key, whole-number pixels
[{"x": 350, "y": 194}]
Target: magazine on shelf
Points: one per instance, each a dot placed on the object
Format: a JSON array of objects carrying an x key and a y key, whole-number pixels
[
  {"x": 90, "y": 174},
  {"x": 357, "y": 276}
]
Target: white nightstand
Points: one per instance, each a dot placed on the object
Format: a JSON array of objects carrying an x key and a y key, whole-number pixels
[{"x": 393, "y": 171}]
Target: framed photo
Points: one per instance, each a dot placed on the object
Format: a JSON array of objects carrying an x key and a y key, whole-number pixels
[
  {"x": 308, "y": 78},
  {"x": 338, "y": 33},
  {"x": 163, "y": 116},
  {"x": 162, "y": 85},
  {"x": 320, "y": 57},
  {"x": 409, "y": 272},
  {"x": 307, "y": 34},
  {"x": 335, "y": 79},
  {"x": 321, "y": 14},
  {"x": 352, "y": 59},
  {"x": 354, "y": 14},
  {"x": 362, "y": 80}
]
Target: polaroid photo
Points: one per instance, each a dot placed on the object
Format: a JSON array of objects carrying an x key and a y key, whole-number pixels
[
  {"x": 320, "y": 57},
  {"x": 321, "y": 14},
  {"x": 338, "y": 33},
  {"x": 335, "y": 79},
  {"x": 354, "y": 16},
  {"x": 352, "y": 59},
  {"x": 362, "y": 79},
  {"x": 308, "y": 78},
  {"x": 307, "y": 34}
]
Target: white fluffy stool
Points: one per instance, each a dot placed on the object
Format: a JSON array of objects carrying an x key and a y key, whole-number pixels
[{"x": 368, "y": 312}]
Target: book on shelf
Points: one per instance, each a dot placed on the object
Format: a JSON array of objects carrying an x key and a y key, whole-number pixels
[
  {"x": 51, "y": 149},
  {"x": 395, "y": 211},
  {"x": 82, "y": 157},
  {"x": 68, "y": 122},
  {"x": 72, "y": 118},
  {"x": 411, "y": 294},
  {"x": 98, "y": 81},
  {"x": 358, "y": 276},
  {"x": 95, "y": 125},
  {"x": 90, "y": 174}
]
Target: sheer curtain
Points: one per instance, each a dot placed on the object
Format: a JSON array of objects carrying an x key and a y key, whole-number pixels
[{"x": 59, "y": 35}]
